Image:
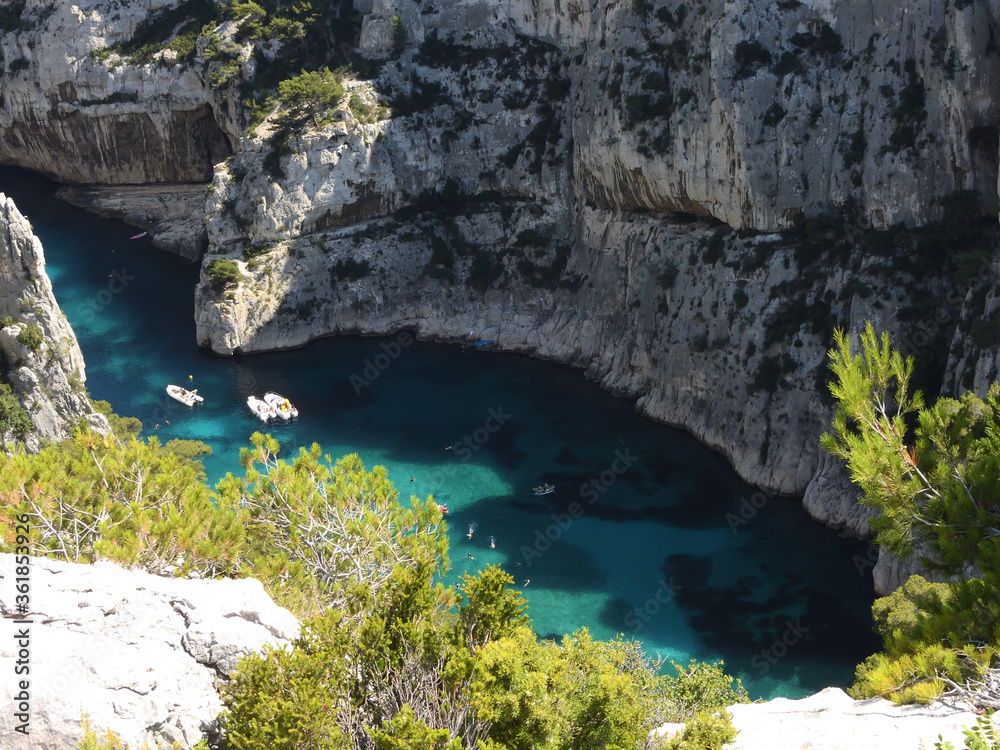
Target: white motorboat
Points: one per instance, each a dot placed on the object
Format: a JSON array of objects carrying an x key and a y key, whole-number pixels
[
  {"x": 281, "y": 405},
  {"x": 189, "y": 398},
  {"x": 263, "y": 411}
]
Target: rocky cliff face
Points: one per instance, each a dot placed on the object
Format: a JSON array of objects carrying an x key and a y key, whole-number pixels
[
  {"x": 150, "y": 130},
  {"x": 39, "y": 355},
  {"x": 590, "y": 160},
  {"x": 603, "y": 185},
  {"x": 80, "y": 119},
  {"x": 138, "y": 654}
]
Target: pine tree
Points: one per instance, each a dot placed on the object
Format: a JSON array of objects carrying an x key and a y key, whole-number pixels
[{"x": 932, "y": 473}]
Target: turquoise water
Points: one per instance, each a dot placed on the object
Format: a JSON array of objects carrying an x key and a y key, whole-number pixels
[{"x": 639, "y": 538}]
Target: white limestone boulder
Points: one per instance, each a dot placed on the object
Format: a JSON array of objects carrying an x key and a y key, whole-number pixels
[
  {"x": 137, "y": 653},
  {"x": 832, "y": 720}
]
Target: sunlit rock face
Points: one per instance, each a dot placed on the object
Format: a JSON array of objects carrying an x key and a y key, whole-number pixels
[{"x": 45, "y": 370}]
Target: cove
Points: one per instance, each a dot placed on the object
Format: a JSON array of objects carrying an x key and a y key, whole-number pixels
[{"x": 648, "y": 534}]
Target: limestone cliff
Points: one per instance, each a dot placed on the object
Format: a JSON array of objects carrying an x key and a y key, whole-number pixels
[
  {"x": 150, "y": 130},
  {"x": 616, "y": 185},
  {"x": 578, "y": 154},
  {"x": 39, "y": 354}
]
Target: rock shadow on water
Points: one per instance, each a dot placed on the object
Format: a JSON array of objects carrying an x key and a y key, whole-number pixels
[
  {"x": 766, "y": 635},
  {"x": 534, "y": 550}
]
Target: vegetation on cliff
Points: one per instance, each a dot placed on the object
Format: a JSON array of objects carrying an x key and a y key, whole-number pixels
[
  {"x": 931, "y": 472},
  {"x": 389, "y": 656}
]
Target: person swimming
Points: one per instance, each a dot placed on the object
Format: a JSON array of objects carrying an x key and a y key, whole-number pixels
[
  {"x": 472, "y": 530},
  {"x": 493, "y": 543}
]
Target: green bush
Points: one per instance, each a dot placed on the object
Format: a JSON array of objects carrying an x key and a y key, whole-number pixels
[
  {"x": 361, "y": 111},
  {"x": 222, "y": 273},
  {"x": 311, "y": 95},
  {"x": 982, "y": 736},
  {"x": 13, "y": 416},
  {"x": 668, "y": 275},
  {"x": 124, "y": 428},
  {"x": 748, "y": 57},
  {"x": 31, "y": 336},
  {"x": 349, "y": 269}
]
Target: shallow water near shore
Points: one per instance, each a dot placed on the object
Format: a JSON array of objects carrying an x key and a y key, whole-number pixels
[{"x": 648, "y": 534}]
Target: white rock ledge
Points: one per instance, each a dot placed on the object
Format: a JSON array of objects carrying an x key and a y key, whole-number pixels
[
  {"x": 139, "y": 653},
  {"x": 831, "y": 720}
]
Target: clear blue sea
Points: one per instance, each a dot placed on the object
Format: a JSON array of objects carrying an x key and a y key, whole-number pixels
[{"x": 638, "y": 537}]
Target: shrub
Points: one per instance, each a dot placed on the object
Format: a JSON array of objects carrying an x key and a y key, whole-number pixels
[
  {"x": 788, "y": 63},
  {"x": 442, "y": 253},
  {"x": 398, "y": 35},
  {"x": 255, "y": 250},
  {"x": 749, "y": 56},
  {"x": 775, "y": 114},
  {"x": 901, "y": 609},
  {"x": 361, "y": 111},
  {"x": 123, "y": 428},
  {"x": 349, "y": 269},
  {"x": 985, "y": 333},
  {"x": 715, "y": 248},
  {"x": 13, "y": 417},
  {"x": 311, "y": 95},
  {"x": 222, "y": 273},
  {"x": 31, "y": 336},
  {"x": 486, "y": 268},
  {"x": 668, "y": 275}
]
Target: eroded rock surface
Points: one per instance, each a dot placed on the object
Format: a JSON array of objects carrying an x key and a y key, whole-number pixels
[
  {"x": 39, "y": 353},
  {"x": 138, "y": 653}
]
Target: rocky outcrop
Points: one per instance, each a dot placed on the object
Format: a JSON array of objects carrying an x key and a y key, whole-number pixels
[
  {"x": 150, "y": 130},
  {"x": 84, "y": 119},
  {"x": 173, "y": 217},
  {"x": 39, "y": 354},
  {"x": 831, "y": 720},
  {"x": 138, "y": 654}
]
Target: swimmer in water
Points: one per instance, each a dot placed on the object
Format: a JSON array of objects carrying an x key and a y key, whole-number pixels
[
  {"x": 472, "y": 529},
  {"x": 493, "y": 543},
  {"x": 469, "y": 555}
]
